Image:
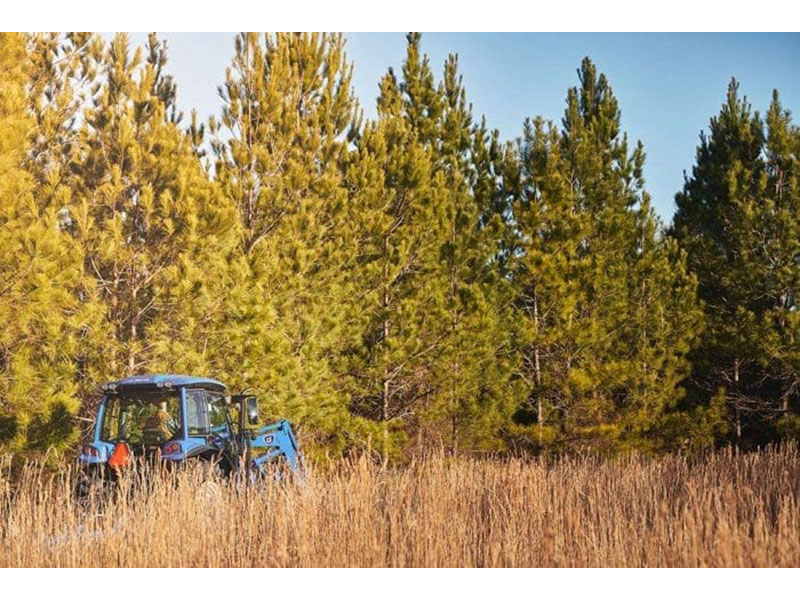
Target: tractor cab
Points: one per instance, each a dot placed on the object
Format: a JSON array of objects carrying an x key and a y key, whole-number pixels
[{"x": 176, "y": 418}]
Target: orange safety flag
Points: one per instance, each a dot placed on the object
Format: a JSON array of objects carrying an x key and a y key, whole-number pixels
[{"x": 120, "y": 457}]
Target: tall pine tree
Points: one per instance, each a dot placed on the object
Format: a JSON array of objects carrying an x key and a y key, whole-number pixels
[
  {"x": 427, "y": 366},
  {"x": 394, "y": 216},
  {"x": 144, "y": 212},
  {"x": 606, "y": 308},
  {"x": 737, "y": 219},
  {"x": 280, "y": 144},
  {"x": 40, "y": 283}
]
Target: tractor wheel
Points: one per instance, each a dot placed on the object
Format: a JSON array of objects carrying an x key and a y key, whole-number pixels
[
  {"x": 209, "y": 491},
  {"x": 90, "y": 489}
]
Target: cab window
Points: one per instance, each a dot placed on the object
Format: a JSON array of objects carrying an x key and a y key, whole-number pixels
[
  {"x": 141, "y": 417},
  {"x": 216, "y": 412},
  {"x": 197, "y": 414}
]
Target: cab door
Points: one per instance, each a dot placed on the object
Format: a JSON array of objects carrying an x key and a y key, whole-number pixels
[
  {"x": 222, "y": 428},
  {"x": 218, "y": 416}
]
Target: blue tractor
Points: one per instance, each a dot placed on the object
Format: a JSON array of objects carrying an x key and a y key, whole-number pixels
[{"x": 178, "y": 418}]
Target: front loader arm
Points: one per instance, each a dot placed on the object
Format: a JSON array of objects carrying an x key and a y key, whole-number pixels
[{"x": 275, "y": 440}]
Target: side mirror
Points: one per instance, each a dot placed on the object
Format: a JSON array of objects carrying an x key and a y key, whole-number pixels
[{"x": 251, "y": 409}]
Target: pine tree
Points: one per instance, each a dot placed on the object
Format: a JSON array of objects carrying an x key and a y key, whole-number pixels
[
  {"x": 40, "y": 278},
  {"x": 144, "y": 213},
  {"x": 288, "y": 108},
  {"x": 663, "y": 324},
  {"x": 606, "y": 308},
  {"x": 737, "y": 220},
  {"x": 394, "y": 215},
  {"x": 780, "y": 324},
  {"x": 471, "y": 374},
  {"x": 63, "y": 71},
  {"x": 427, "y": 366},
  {"x": 544, "y": 263}
]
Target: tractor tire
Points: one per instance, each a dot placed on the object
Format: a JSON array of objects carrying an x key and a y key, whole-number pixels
[
  {"x": 209, "y": 492},
  {"x": 90, "y": 490}
]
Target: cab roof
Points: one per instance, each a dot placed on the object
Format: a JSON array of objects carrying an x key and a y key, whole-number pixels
[{"x": 164, "y": 380}]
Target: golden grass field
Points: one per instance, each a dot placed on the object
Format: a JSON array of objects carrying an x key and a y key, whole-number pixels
[{"x": 722, "y": 509}]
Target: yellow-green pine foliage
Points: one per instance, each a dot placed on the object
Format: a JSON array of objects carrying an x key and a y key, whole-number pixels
[
  {"x": 62, "y": 69},
  {"x": 145, "y": 214},
  {"x": 542, "y": 256},
  {"x": 496, "y": 182},
  {"x": 469, "y": 393},
  {"x": 40, "y": 276},
  {"x": 61, "y": 74},
  {"x": 196, "y": 289},
  {"x": 280, "y": 142},
  {"x": 427, "y": 368},
  {"x": 395, "y": 215},
  {"x": 606, "y": 308}
]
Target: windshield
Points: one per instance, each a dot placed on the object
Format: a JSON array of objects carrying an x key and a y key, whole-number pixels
[{"x": 149, "y": 418}]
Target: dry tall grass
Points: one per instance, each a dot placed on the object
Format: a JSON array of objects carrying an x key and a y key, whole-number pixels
[{"x": 726, "y": 509}]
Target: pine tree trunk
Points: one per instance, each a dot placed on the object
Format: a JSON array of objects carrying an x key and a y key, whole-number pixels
[
  {"x": 738, "y": 425},
  {"x": 537, "y": 371},
  {"x": 385, "y": 419},
  {"x": 454, "y": 373},
  {"x": 115, "y": 321},
  {"x": 133, "y": 334},
  {"x": 738, "y": 408},
  {"x": 539, "y": 418},
  {"x": 385, "y": 384}
]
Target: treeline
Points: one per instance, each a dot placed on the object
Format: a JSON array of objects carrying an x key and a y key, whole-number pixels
[{"x": 392, "y": 285}]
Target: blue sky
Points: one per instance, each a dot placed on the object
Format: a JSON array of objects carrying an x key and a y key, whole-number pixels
[{"x": 668, "y": 85}]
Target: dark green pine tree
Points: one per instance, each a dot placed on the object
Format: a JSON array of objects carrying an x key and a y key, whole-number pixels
[
  {"x": 780, "y": 324},
  {"x": 662, "y": 327},
  {"x": 737, "y": 221}
]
